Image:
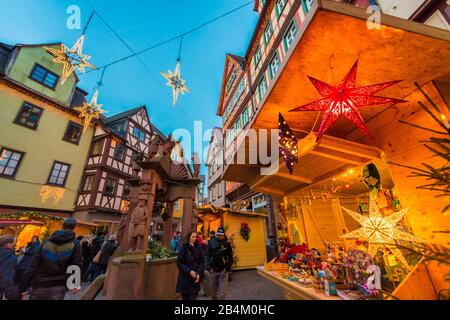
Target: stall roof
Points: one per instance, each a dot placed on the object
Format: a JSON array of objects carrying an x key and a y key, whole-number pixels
[{"x": 15, "y": 222}]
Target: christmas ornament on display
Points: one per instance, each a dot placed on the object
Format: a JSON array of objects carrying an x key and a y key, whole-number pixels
[
  {"x": 380, "y": 231},
  {"x": 71, "y": 58},
  {"x": 175, "y": 82},
  {"x": 345, "y": 99},
  {"x": 90, "y": 111},
  {"x": 287, "y": 144}
]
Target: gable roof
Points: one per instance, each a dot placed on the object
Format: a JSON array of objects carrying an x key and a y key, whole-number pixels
[
  {"x": 123, "y": 115},
  {"x": 240, "y": 62}
]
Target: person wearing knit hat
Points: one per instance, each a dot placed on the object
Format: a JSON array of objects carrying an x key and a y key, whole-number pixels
[{"x": 8, "y": 262}]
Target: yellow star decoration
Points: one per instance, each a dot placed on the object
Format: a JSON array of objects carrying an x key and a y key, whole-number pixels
[
  {"x": 71, "y": 58},
  {"x": 175, "y": 82},
  {"x": 380, "y": 231},
  {"x": 90, "y": 111}
]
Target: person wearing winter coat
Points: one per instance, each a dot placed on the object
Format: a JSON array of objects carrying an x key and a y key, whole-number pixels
[
  {"x": 47, "y": 275},
  {"x": 107, "y": 250},
  {"x": 190, "y": 263},
  {"x": 28, "y": 254},
  {"x": 8, "y": 262}
]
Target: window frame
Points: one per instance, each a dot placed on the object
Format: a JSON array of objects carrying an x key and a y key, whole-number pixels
[
  {"x": 67, "y": 129},
  {"x": 277, "y": 56},
  {"x": 47, "y": 72},
  {"x": 122, "y": 159},
  {"x": 288, "y": 31},
  {"x": 230, "y": 81},
  {"x": 129, "y": 190},
  {"x": 65, "y": 178},
  {"x": 84, "y": 183},
  {"x": 268, "y": 26},
  {"x": 19, "y": 162},
  {"x": 21, "y": 110},
  {"x": 116, "y": 183},
  {"x": 92, "y": 154},
  {"x": 258, "y": 57},
  {"x": 261, "y": 96},
  {"x": 279, "y": 10}
]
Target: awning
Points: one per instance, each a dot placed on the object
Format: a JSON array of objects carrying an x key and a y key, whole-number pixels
[{"x": 210, "y": 212}]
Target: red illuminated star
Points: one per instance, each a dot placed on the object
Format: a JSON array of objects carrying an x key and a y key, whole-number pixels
[{"x": 344, "y": 100}]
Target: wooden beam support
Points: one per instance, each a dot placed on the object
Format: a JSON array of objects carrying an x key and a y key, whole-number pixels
[
  {"x": 350, "y": 147},
  {"x": 270, "y": 191},
  {"x": 338, "y": 156}
]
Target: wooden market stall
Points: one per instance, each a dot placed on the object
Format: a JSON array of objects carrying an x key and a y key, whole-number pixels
[{"x": 248, "y": 253}]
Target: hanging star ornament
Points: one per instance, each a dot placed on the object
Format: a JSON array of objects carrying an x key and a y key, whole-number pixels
[
  {"x": 380, "y": 231},
  {"x": 345, "y": 99},
  {"x": 90, "y": 111},
  {"x": 175, "y": 82},
  {"x": 287, "y": 143},
  {"x": 72, "y": 59}
]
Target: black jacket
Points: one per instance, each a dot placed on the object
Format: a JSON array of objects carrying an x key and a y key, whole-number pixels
[
  {"x": 30, "y": 251},
  {"x": 190, "y": 258},
  {"x": 97, "y": 243},
  {"x": 49, "y": 265},
  {"x": 86, "y": 251},
  {"x": 107, "y": 251},
  {"x": 219, "y": 255},
  {"x": 8, "y": 262}
]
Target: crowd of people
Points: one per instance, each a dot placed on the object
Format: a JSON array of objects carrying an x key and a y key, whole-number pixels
[
  {"x": 40, "y": 269},
  {"x": 204, "y": 265}
]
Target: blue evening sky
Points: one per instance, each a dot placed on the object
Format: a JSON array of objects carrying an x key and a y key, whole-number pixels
[{"x": 143, "y": 23}]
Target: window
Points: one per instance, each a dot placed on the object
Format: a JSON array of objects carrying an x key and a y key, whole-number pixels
[
  {"x": 274, "y": 65},
  {"x": 238, "y": 126},
  {"x": 235, "y": 98},
  {"x": 139, "y": 133},
  {"x": 231, "y": 81},
  {"x": 126, "y": 191},
  {"x": 120, "y": 128},
  {"x": 28, "y": 116},
  {"x": 268, "y": 32},
  {"x": 257, "y": 56},
  {"x": 110, "y": 187},
  {"x": 176, "y": 205},
  {"x": 97, "y": 148},
  {"x": 307, "y": 5},
  {"x": 241, "y": 86},
  {"x": 245, "y": 117},
  {"x": 88, "y": 182},
  {"x": 279, "y": 7},
  {"x": 73, "y": 133},
  {"x": 44, "y": 76},
  {"x": 262, "y": 87},
  {"x": 290, "y": 35},
  {"x": 119, "y": 154},
  {"x": 59, "y": 173},
  {"x": 9, "y": 162}
]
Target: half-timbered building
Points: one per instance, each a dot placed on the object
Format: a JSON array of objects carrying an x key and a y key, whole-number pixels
[{"x": 104, "y": 192}]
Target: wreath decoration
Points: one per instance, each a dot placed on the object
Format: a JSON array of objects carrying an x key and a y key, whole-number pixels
[{"x": 245, "y": 231}]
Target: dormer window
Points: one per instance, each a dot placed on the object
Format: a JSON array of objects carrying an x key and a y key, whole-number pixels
[{"x": 44, "y": 76}]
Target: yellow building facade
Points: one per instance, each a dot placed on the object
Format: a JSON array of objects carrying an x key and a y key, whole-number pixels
[{"x": 43, "y": 149}]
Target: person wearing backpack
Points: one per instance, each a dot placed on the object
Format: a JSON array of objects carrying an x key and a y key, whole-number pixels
[
  {"x": 47, "y": 274},
  {"x": 218, "y": 262}
]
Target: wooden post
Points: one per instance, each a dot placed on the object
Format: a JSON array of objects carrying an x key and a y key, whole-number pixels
[{"x": 187, "y": 216}]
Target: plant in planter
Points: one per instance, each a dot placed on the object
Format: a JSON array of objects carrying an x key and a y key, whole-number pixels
[
  {"x": 245, "y": 231},
  {"x": 157, "y": 251}
]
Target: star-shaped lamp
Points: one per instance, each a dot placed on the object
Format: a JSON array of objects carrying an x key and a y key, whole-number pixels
[
  {"x": 90, "y": 111},
  {"x": 380, "y": 231},
  {"x": 287, "y": 143},
  {"x": 72, "y": 59},
  {"x": 175, "y": 82},
  {"x": 345, "y": 99}
]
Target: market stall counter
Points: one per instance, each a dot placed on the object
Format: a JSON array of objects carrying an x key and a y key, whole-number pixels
[{"x": 294, "y": 290}]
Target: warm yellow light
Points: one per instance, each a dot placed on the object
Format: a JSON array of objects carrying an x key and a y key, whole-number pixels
[
  {"x": 380, "y": 231},
  {"x": 90, "y": 111},
  {"x": 55, "y": 193}
]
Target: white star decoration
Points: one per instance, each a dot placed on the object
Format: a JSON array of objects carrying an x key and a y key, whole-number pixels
[
  {"x": 381, "y": 231},
  {"x": 72, "y": 59},
  {"x": 175, "y": 82},
  {"x": 90, "y": 111}
]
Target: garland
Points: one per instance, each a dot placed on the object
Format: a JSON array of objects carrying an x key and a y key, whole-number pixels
[
  {"x": 30, "y": 214},
  {"x": 245, "y": 231}
]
